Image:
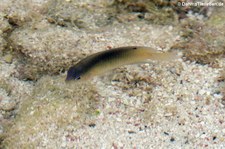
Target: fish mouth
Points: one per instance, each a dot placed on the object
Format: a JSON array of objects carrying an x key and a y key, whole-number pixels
[{"x": 68, "y": 79}]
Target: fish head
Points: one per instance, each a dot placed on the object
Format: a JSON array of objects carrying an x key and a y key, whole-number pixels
[{"x": 74, "y": 73}]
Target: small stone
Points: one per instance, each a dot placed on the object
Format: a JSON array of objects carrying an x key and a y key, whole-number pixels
[
  {"x": 92, "y": 125},
  {"x": 218, "y": 96},
  {"x": 8, "y": 58},
  {"x": 7, "y": 105},
  {"x": 168, "y": 114},
  {"x": 202, "y": 92},
  {"x": 131, "y": 132},
  {"x": 166, "y": 133},
  {"x": 172, "y": 139}
]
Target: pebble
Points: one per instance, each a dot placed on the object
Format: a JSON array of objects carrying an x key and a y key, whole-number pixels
[
  {"x": 7, "y": 104},
  {"x": 168, "y": 114},
  {"x": 218, "y": 96},
  {"x": 202, "y": 92},
  {"x": 8, "y": 58},
  {"x": 192, "y": 102}
]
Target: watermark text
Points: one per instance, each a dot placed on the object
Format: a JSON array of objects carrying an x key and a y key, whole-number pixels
[{"x": 196, "y": 4}]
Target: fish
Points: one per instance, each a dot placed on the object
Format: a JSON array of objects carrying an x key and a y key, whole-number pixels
[{"x": 104, "y": 61}]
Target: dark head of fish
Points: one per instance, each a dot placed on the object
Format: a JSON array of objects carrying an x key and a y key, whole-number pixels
[{"x": 74, "y": 73}]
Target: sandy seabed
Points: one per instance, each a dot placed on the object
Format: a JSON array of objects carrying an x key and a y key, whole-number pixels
[{"x": 173, "y": 104}]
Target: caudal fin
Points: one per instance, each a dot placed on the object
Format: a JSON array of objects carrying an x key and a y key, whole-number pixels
[{"x": 167, "y": 56}]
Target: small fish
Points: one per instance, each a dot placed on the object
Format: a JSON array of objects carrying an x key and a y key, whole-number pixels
[{"x": 101, "y": 62}]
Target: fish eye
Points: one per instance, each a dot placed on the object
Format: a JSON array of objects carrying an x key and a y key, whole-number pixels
[{"x": 78, "y": 78}]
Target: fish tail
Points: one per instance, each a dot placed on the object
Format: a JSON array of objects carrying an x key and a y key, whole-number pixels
[{"x": 166, "y": 56}]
